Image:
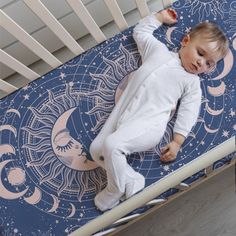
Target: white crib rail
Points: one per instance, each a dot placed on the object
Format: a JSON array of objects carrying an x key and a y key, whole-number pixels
[
  {"x": 38, "y": 8},
  {"x": 18, "y": 32},
  {"x": 117, "y": 14},
  {"x": 17, "y": 66},
  {"x": 87, "y": 20},
  {"x": 169, "y": 181},
  {"x": 142, "y": 7},
  {"x": 45, "y": 15}
]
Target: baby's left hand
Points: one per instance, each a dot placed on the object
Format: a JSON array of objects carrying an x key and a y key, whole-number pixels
[
  {"x": 169, "y": 16},
  {"x": 170, "y": 151}
]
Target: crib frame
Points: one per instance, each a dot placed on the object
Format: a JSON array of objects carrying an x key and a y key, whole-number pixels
[
  {"x": 41, "y": 11},
  {"x": 174, "y": 180}
]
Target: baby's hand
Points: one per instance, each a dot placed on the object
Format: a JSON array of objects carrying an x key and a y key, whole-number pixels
[
  {"x": 169, "y": 16},
  {"x": 169, "y": 152}
]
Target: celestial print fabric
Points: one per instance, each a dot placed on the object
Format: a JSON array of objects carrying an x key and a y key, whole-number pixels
[{"x": 48, "y": 180}]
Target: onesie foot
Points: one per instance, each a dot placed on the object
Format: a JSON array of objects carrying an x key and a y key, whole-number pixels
[
  {"x": 134, "y": 185},
  {"x": 106, "y": 200}
]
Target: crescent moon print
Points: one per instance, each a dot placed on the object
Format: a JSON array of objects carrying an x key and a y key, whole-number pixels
[
  {"x": 168, "y": 34},
  {"x": 73, "y": 210},
  {"x": 7, "y": 149},
  {"x": 217, "y": 91},
  {"x": 14, "y": 111},
  {"x": 213, "y": 112},
  {"x": 35, "y": 197},
  {"x": 55, "y": 204},
  {"x": 228, "y": 65},
  {"x": 10, "y": 128},
  {"x": 211, "y": 131}
]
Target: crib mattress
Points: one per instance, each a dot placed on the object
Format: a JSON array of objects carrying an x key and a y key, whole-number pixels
[{"x": 48, "y": 179}]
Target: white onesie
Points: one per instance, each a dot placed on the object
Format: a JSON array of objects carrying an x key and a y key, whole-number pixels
[{"x": 138, "y": 121}]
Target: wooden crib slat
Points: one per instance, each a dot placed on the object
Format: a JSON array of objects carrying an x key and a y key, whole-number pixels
[
  {"x": 142, "y": 7},
  {"x": 116, "y": 14},
  {"x": 46, "y": 16},
  {"x": 167, "y": 3},
  {"x": 14, "y": 64},
  {"x": 13, "y": 28},
  {"x": 87, "y": 20},
  {"x": 6, "y": 87}
]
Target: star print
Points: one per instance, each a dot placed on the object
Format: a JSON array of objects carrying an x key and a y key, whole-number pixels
[
  {"x": 225, "y": 133},
  {"x": 188, "y": 29},
  {"x": 26, "y": 97},
  {"x": 166, "y": 168},
  {"x": 124, "y": 37},
  {"x": 202, "y": 142},
  {"x": 232, "y": 113},
  {"x": 62, "y": 75}
]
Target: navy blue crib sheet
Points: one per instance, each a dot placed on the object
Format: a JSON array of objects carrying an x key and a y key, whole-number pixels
[{"x": 48, "y": 179}]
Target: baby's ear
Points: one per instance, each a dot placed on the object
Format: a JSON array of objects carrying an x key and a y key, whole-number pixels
[{"x": 185, "y": 40}]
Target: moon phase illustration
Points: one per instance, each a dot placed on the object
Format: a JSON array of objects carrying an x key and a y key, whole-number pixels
[
  {"x": 213, "y": 112},
  {"x": 10, "y": 128},
  {"x": 217, "y": 91},
  {"x": 5, "y": 193},
  {"x": 35, "y": 197},
  {"x": 7, "y": 149},
  {"x": 228, "y": 65},
  {"x": 14, "y": 111}
]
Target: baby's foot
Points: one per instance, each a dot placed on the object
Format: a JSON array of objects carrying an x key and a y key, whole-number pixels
[
  {"x": 106, "y": 200},
  {"x": 134, "y": 184}
]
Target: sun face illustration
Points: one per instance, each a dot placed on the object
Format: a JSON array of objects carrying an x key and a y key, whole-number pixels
[
  {"x": 204, "y": 8},
  {"x": 54, "y": 149},
  {"x": 111, "y": 84}
]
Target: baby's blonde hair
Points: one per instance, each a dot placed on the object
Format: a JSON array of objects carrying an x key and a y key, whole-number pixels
[{"x": 212, "y": 33}]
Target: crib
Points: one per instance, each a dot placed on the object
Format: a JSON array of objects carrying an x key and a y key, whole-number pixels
[{"x": 49, "y": 117}]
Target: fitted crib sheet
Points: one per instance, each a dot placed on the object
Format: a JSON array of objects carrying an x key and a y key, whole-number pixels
[{"x": 48, "y": 179}]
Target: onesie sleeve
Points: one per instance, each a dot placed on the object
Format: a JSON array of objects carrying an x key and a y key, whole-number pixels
[
  {"x": 189, "y": 108},
  {"x": 143, "y": 36}
]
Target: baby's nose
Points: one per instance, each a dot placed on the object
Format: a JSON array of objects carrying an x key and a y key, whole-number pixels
[{"x": 199, "y": 62}]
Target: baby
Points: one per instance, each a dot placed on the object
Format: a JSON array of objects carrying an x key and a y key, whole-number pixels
[{"x": 139, "y": 119}]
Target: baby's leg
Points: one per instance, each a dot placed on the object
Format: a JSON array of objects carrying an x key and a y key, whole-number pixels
[{"x": 135, "y": 137}]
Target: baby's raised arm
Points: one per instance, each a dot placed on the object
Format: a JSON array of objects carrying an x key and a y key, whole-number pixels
[{"x": 143, "y": 32}]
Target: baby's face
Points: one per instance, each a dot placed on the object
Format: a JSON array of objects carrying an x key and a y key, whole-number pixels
[{"x": 198, "y": 56}]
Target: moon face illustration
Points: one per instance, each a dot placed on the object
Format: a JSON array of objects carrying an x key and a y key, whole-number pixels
[
  {"x": 67, "y": 149},
  {"x": 213, "y": 112},
  {"x": 228, "y": 65},
  {"x": 7, "y": 148},
  {"x": 5, "y": 193},
  {"x": 217, "y": 91},
  {"x": 10, "y": 128},
  {"x": 35, "y": 197}
]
